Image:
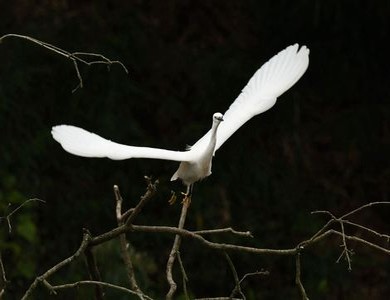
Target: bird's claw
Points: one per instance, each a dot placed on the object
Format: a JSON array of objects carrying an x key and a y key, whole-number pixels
[
  {"x": 172, "y": 200},
  {"x": 186, "y": 200}
]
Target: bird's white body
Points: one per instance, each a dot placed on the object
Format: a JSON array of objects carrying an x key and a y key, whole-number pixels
[
  {"x": 274, "y": 78},
  {"x": 192, "y": 171}
]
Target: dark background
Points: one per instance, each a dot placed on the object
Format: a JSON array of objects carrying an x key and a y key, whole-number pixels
[{"x": 324, "y": 146}]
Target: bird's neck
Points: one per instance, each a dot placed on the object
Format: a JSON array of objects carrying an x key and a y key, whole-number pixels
[{"x": 213, "y": 139}]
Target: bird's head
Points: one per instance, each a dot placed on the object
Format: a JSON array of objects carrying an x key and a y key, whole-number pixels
[{"x": 217, "y": 117}]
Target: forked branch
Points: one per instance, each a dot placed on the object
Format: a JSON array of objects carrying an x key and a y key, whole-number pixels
[
  {"x": 76, "y": 57},
  {"x": 8, "y": 216}
]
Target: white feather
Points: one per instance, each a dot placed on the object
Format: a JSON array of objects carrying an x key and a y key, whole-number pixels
[
  {"x": 81, "y": 142},
  {"x": 270, "y": 81}
]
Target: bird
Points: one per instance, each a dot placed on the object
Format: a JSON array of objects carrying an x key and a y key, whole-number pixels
[{"x": 270, "y": 81}]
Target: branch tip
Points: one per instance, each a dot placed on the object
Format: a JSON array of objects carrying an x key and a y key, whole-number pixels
[{"x": 75, "y": 57}]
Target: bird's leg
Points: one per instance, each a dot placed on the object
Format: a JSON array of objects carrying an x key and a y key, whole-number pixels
[{"x": 188, "y": 195}]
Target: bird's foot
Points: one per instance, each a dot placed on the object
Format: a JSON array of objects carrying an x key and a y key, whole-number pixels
[
  {"x": 186, "y": 200},
  {"x": 172, "y": 200}
]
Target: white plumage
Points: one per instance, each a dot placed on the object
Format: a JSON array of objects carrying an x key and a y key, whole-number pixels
[{"x": 270, "y": 81}]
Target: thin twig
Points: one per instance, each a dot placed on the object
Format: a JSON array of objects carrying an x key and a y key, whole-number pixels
[
  {"x": 346, "y": 252},
  {"x": 218, "y": 298},
  {"x": 237, "y": 287},
  {"x": 51, "y": 271},
  {"x": 150, "y": 191},
  {"x": 75, "y": 57},
  {"x": 3, "y": 279},
  {"x": 225, "y": 230},
  {"x": 350, "y": 238},
  {"x": 8, "y": 216},
  {"x": 380, "y": 235},
  {"x": 303, "y": 244},
  {"x": 103, "y": 60},
  {"x": 261, "y": 272},
  {"x": 99, "y": 283},
  {"x": 333, "y": 219},
  {"x": 298, "y": 281},
  {"x": 175, "y": 248},
  {"x": 342, "y": 218},
  {"x": 123, "y": 244},
  {"x": 184, "y": 275},
  {"x": 94, "y": 273},
  {"x": 363, "y": 207},
  {"x": 325, "y": 212}
]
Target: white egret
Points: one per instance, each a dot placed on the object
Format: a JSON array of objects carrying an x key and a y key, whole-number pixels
[{"x": 270, "y": 81}]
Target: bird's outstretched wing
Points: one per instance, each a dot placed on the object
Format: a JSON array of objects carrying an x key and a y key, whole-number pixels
[
  {"x": 270, "y": 81},
  {"x": 81, "y": 142}
]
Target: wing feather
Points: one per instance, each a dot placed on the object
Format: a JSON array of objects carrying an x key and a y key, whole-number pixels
[
  {"x": 274, "y": 77},
  {"x": 81, "y": 142}
]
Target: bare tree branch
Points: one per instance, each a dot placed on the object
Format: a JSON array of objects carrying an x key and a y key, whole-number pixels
[
  {"x": 363, "y": 207},
  {"x": 51, "y": 271},
  {"x": 225, "y": 230},
  {"x": 184, "y": 275},
  {"x": 124, "y": 244},
  {"x": 175, "y": 249},
  {"x": 237, "y": 288},
  {"x": 75, "y": 57},
  {"x": 189, "y": 234},
  {"x": 89, "y": 242},
  {"x": 8, "y": 216},
  {"x": 369, "y": 230},
  {"x": 218, "y": 298},
  {"x": 334, "y": 219},
  {"x": 350, "y": 238},
  {"x": 94, "y": 273},
  {"x": 150, "y": 191},
  {"x": 221, "y": 246},
  {"x": 346, "y": 252},
  {"x": 298, "y": 281},
  {"x": 3, "y": 279},
  {"x": 99, "y": 283},
  {"x": 257, "y": 273}
]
